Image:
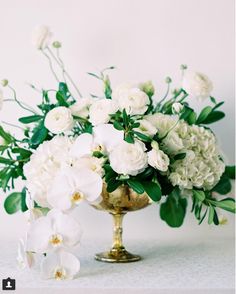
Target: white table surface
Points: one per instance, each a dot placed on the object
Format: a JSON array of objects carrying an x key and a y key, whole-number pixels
[{"x": 168, "y": 266}]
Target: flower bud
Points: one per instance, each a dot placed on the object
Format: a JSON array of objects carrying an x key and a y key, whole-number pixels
[
  {"x": 148, "y": 88},
  {"x": 183, "y": 66},
  {"x": 155, "y": 145},
  {"x": 168, "y": 80},
  {"x": 56, "y": 44},
  {"x": 4, "y": 82},
  {"x": 177, "y": 107}
]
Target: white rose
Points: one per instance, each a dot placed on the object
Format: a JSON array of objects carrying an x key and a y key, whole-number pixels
[
  {"x": 100, "y": 110},
  {"x": 177, "y": 107},
  {"x": 197, "y": 84},
  {"x": 128, "y": 159},
  {"x": 1, "y": 99},
  {"x": 146, "y": 128},
  {"x": 133, "y": 100},
  {"x": 59, "y": 120},
  {"x": 41, "y": 37},
  {"x": 158, "y": 159},
  {"x": 81, "y": 107}
]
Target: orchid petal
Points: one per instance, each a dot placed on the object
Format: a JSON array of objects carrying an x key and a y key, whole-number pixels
[{"x": 82, "y": 145}]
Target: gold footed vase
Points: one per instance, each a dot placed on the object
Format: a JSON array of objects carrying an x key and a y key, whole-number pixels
[{"x": 118, "y": 203}]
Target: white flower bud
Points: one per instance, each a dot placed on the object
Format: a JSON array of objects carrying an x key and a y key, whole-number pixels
[
  {"x": 177, "y": 108},
  {"x": 4, "y": 82}
]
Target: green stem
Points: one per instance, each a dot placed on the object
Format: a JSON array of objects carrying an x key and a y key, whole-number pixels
[
  {"x": 61, "y": 65},
  {"x": 22, "y": 105},
  {"x": 29, "y": 108},
  {"x": 12, "y": 125},
  {"x": 50, "y": 64},
  {"x": 166, "y": 94}
]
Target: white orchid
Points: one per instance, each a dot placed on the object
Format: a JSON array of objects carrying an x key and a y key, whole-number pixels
[
  {"x": 60, "y": 265},
  {"x": 72, "y": 185},
  {"x": 104, "y": 138},
  {"x": 52, "y": 231},
  {"x": 24, "y": 258}
]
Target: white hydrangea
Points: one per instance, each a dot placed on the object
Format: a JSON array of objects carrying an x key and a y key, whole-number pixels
[
  {"x": 44, "y": 164},
  {"x": 202, "y": 167}
]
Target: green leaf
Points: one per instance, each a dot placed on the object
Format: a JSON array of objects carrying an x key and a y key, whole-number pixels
[
  {"x": 174, "y": 209},
  {"x": 192, "y": 118},
  {"x": 180, "y": 156},
  {"x": 203, "y": 217},
  {"x": 61, "y": 99},
  {"x": 200, "y": 195},
  {"x": 213, "y": 117},
  {"x": 186, "y": 113},
  {"x": 125, "y": 117},
  {"x": 211, "y": 214},
  {"x": 223, "y": 186},
  {"x": 143, "y": 137},
  {"x": 23, "y": 200},
  {"x": 94, "y": 75},
  {"x": 226, "y": 204},
  {"x": 6, "y": 161},
  {"x": 30, "y": 119},
  {"x": 23, "y": 152},
  {"x": 129, "y": 138},
  {"x": 13, "y": 202},
  {"x": 218, "y": 105},
  {"x": 63, "y": 89},
  {"x": 230, "y": 171},
  {"x": 136, "y": 186},
  {"x": 153, "y": 190},
  {"x": 215, "y": 218},
  {"x": 213, "y": 100},
  {"x": 39, "y": 136},
  {"x": 6, "y": 136},
  {"x": 112, "y": 185},
  {"x": 118, "y": 126},
  {"x": 204, "y": 114}
]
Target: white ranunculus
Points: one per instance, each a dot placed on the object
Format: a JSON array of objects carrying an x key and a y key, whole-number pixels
[
  {"x": 55, "y": 230},
  {"x": 163, "y": 122},
  {"x": 43, "y": 166},
  {"x": 59, "y": 120},
  {"x": 41, "y": 37},
  {"x": 197, "y": 85},
  {"x": 73, "y": 185},
  {"x": 100, "y": 110},
  {"x": 129, "y": 159},
  {"x": 60, "y": 265},
  {"x": 104, "y": 138},
  {"x": 1, "y": 99},
  {"x": 132, "y": 99},
  {"x": 173, "y": 143},
  {"x": 81, "y": 107},
  {"x": 146, "y": 128},
  {"x": 177, "y": 107},
  {"x": 158, "y": 159}
]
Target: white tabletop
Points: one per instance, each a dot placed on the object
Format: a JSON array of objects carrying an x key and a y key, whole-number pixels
[{"x": 168, "y": 266}]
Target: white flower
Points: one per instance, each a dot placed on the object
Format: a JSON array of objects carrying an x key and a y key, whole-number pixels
[
  {"x": 177, "y": 107},
  {"x": 24, "y": 258},
  {"x": 132, "y": 99},
  {"x": 197, "y": 85},
  {"x": 59, "y": 120},
  {"x": 92, "y": 163},
  {"x": 44, "y": 164},
  {"x": 41, "y": 37},
  {"x": 158, "y": 159},
  {"x": 81, "y": 107},
  {"x": 1, "y": 99},
  {"x": 72, "y": 185},
  {"x": 60, "y": 265},
  {"x": 52, "y": 231},
  {"x": 172, "y": 143},
  {"x": 128, "y": 159},
  {"x": 163, "y": 122},
  {"x": 146, "y": 128},
  {"x": 100, "y": 110},
  {"x": 104, "y": 138}
]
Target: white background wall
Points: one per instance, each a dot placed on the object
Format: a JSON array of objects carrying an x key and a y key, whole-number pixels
[{"x": 145, "y": 39}]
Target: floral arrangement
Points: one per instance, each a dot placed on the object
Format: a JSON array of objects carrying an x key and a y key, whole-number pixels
[{"x": 73, "y": 146}]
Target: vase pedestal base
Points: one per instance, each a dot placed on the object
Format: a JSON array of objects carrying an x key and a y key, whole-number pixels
[{"x": 117, "y": 255}]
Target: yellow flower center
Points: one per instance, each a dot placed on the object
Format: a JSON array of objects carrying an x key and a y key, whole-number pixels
[
  {"x": 56, "y": 240},
  {"x": 77, "y": 197},
  {"x": 60, "y": 274}
]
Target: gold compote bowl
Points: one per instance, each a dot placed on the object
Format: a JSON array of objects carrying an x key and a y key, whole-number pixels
[{"x": 118, "y": 203}]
